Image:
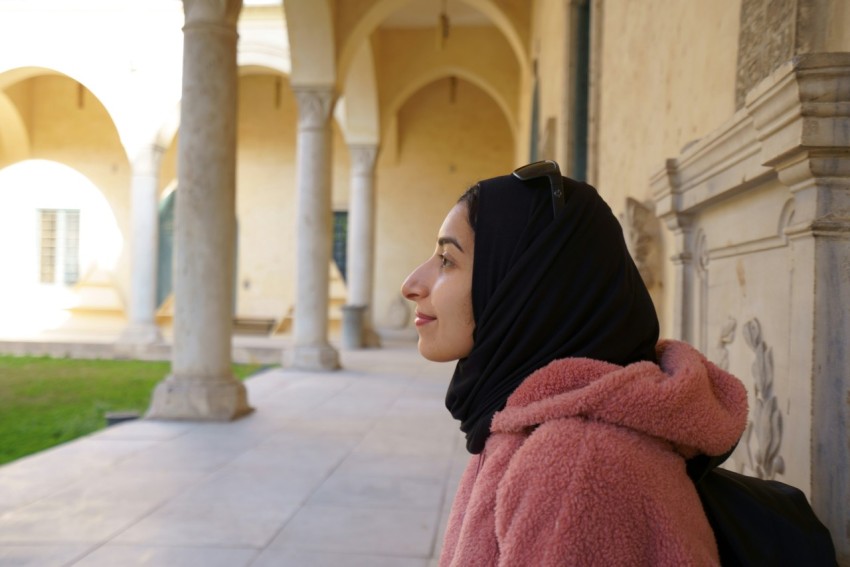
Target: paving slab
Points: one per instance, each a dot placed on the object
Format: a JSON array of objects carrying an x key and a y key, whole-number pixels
[{"x": 351, "y": 468}]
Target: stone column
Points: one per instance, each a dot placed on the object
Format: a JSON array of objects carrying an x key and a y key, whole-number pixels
[
  {"x": 201, "y": 384},
  {"x": 667, "y": 190},
  {"x": 142, "y": 329},
  {"x": 361, "y": 242},
  {"x": 820, "y": 244},
  {"x": 804, "y": 130},
  {"x": 311, "y": 350}
]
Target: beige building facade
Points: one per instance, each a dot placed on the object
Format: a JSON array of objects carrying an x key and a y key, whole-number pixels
[{"x": 175, "y": 170}]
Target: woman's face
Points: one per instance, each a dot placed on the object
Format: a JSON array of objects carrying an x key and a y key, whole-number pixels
[{"x": 442, "y": 291}]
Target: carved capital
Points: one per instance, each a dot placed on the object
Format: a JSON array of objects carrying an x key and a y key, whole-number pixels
[
  {"x": 665, "y": 189},
  {"x": 363, "y": 158},
  {"x": 223, "y": 12},
  {"x": 148, "y": 160},
  {"x": 314, "y": 106},
  {"x": 820, "y": 183},
  {"x": 803, "y": 105}
]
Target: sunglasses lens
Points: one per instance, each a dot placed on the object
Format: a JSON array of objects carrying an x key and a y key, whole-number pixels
[{"x": 536, "y": 169}]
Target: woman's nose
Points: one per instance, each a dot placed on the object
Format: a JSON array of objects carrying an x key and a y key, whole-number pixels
[{"x": 414, "y": 287}]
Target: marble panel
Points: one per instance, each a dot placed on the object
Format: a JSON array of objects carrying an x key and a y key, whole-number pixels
[
  {"x": 377, "y": 531},
  {"x": 40, "y": 555},
  {"x": 274, "y": 557},
  {"x": 349, "y": 490},
  {"x": 159, "y": 556}
]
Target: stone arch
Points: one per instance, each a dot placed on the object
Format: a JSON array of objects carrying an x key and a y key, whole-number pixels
[
  {"x": 436, "y": 73},
  {"x": 14, "y": 138},
  {"x": 503, "y": 22},
  {"x": 29, "y": 190},
  {"x": 11, "y": 76},
  {"x": 383, "y": 8},
  {"x": 359, "y": 113},
  {"x": 51, "y": 184},
  {"x": 254, "y": 55},
  {"x": 168, "y": 128},
  {"x": 311, "y": 42}
]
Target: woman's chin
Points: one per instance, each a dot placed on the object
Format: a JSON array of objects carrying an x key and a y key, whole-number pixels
[{"x": 429, "y": 352}]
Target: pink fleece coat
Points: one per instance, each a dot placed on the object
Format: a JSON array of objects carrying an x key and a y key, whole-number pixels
[{"x": 586, "y": 466}]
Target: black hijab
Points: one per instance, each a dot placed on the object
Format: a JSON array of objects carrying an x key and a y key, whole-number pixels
[{"x": 545, "y": 288}]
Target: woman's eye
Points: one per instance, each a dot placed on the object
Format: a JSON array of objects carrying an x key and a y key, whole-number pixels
[{"x": 444, "y": 261}]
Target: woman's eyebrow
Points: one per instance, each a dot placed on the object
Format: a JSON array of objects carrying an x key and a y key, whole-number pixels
[{"x": 443, "y": 240}]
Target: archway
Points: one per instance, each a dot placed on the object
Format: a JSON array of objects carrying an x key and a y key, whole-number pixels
[{"x": 58, "y": 231}]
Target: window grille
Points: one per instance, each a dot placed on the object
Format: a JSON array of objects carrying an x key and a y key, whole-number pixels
[
  {"x": 340, "y": 234},
  {"x": 59, "y": 246}
]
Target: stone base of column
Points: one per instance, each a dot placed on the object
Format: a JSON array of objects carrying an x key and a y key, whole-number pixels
[
  {"x": 196, "y": 399},
  {"x": 140, "y": 334},
  {"x": 357, "y": 332},
  {"x": 311, "y": 357}
]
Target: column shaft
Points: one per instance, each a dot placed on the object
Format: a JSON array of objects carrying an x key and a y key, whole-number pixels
[
  {"x": 142, "y": 327},
  {"x": 361, "y": 244},
  {"x": 201, "y": 385},
  {"x": 311, "y": 350}
]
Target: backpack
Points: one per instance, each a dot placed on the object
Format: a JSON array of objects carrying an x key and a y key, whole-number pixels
[{"x": 762, "y": 522}]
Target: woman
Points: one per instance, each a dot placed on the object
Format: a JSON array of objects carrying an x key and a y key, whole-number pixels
[{"x": 579, "y": 424}]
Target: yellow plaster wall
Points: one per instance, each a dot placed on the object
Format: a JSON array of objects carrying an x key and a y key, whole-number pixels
[
  {"x": 517, "y": 11},
  {"x": 82, "y": 137},
  {"x": 444, "y": 148},
  {"x": 347, "y": 14},
  {"x": 341, "y": 172},
  {"x": 20, "y": 94},
  {"x": 656, "y": 96},
  {"x": 403, "y": 56},
  {"x": 265, "y": 196},
  {"x": 550, "y": 34},
  {"x": 829, "y": 29}
]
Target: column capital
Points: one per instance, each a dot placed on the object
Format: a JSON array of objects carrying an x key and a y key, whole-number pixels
[
  {"x": 314, "y": 105},
  {"x": 212, "y": 11},
  {"x": 363, "y": 158},
  {"x": 802, "y": 106},
  {"x": 148, "y": 160}
]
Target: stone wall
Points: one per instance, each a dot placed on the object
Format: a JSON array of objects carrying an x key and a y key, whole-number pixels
[
  {"x": 759, "y": 211},
  {"x": 765, "y": 41},
  {"x": 664, "y": 76}
]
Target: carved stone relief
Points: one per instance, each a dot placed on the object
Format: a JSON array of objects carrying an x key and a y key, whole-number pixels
[
  {"x": 765, "y": 41},
  {"x": 765, "y": 427},
  {"x": 763, "y": 436},
  {"x": 641, "y": 228},
  {"x": 701, "y": 266},
  {"x": 727, "y": 335}
]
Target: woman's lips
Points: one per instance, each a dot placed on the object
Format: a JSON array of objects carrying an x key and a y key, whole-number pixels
[{"x": 422, "y": 319}]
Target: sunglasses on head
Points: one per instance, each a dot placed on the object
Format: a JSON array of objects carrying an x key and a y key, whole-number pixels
[{"x": 545, "y": 168}]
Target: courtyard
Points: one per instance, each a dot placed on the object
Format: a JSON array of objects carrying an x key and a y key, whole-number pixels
[{"x": 349, "y": 468}]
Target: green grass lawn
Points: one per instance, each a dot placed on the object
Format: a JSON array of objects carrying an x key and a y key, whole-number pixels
[{"x": 46, "y": 401}]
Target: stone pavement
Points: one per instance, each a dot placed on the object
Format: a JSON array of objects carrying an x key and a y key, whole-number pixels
[{"x": 355, "y": 468}]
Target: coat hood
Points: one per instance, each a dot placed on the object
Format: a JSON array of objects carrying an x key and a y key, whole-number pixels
[{"x": 684, "y": 399}]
